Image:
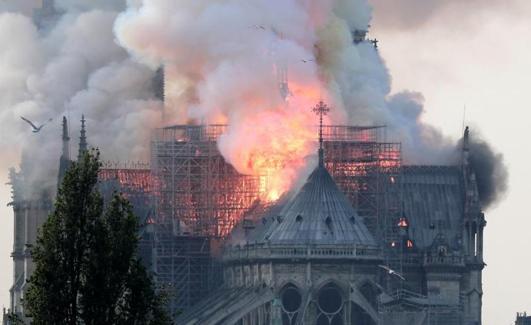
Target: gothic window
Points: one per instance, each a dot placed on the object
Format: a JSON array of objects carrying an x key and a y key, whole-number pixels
[
  {"x": 330, "y": 306},
  {"x": 291, "y": 304}
]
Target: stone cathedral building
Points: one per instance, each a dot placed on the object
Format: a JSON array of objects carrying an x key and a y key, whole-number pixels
[{"x": 312, "y": 260}]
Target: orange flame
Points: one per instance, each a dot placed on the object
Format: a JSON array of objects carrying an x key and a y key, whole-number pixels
[{"x": 275, "y": 143}]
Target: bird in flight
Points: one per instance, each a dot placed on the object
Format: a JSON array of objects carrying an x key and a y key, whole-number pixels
[
  {"x": 392, "y": 272},
  {"x": 262, "y": 27},
  {"x": 36, "y": 129},
  {"x": 307, "y": 60}
]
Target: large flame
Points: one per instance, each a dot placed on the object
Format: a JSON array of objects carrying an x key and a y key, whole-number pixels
[{"x": 276, "y": 143}]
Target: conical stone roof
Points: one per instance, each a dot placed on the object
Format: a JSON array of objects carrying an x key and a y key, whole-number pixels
[{"x": 318, "y": 214}]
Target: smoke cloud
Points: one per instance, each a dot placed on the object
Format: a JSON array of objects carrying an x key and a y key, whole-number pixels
[
  {"x": 17, "y": 6},
  {"x": 259, "y": 66},
  {"x": 491, "y": 171},
  {"x": 227, "y": 61},
  {"x": 72, "y": 66}
]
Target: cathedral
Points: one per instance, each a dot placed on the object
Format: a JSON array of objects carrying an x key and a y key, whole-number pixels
[{"x": 311, "y": 259}]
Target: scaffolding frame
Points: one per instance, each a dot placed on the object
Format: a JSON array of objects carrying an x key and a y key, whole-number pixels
[
  {"x": 199, "y": 197},
  {"x": 199, "y": 193},
  {"x": 133, "y": 181},
  {"x": 367, "y": 170}
]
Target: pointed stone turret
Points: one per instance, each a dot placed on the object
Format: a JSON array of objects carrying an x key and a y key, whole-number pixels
[
  {"x": 66, "y": 139},
  {"x": 83, "y": 146},
  {"x": 473, "y": 228},
  {"x": 466, "y": 149},
  {"x": 469, "y": 176},
  {"x": 64, "y": 161}
]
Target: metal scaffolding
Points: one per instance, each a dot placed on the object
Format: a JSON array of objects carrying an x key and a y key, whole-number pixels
[
  {"x": 367, "y": 170},
  {"x": 198, "y": 197},
  {"x": 198, "y": 193}
]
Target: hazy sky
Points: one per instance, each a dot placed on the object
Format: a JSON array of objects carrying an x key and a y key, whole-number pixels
[{"x": 475, "y": 53}]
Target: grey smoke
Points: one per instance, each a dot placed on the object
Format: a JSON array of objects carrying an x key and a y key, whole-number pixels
[
  {"x": 99, "y": 58},
  {"x": 200, "y": 49},
  {"x": 73, "y": 67},
  {"x": 490, "y": 168},
  {"x": 17, "y": 6}
]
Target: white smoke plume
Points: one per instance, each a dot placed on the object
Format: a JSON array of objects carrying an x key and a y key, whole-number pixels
[
  {"x": 71, "y": 66},
  {"x": 225, "y": 62}
]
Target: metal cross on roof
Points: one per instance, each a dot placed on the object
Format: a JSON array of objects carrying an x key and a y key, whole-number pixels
[{"x": 321, "y": 109}]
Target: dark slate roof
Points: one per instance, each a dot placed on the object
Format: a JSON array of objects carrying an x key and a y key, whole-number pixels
[
  {"x": 319, "y": 213},
  {"x": 433, "y": 201},
  {"x": 221, "y": 306}
]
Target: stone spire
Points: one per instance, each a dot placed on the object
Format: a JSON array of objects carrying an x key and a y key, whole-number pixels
[
  {"x": 471, "y": 186},
  {"x": 66, "y": 140},
  {"x": 64, "y": 161},
  {"x": 321, "y": 109},
  {"x": 466, "y": 148},
  {"x": 83, "y": 147}
]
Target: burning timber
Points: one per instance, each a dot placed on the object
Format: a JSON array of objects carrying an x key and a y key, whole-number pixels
[{"x": 366, "y": 239}]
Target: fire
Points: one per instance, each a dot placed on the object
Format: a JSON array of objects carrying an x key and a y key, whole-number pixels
[
  {"x": 273, "y": 195},
  {"x": 278, "y": 150},
  {"x": 275, "y": 143}
]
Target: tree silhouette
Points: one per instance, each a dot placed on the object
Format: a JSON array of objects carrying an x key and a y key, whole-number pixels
[{"x": 86, "y": 266}]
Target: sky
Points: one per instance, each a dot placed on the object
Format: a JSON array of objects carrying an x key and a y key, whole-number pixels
[{"x": 475, "y": 55}]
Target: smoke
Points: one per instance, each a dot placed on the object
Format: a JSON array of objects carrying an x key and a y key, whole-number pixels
[
  {"x": 17, "y": 6},
  {"x": 226, "y": 62},
  {"x": 71, "y": 67},
  {"x": 259, "y": 66},
  {"x": 491, "y": 171}
]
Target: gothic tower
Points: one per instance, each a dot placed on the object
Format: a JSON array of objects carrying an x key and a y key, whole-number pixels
[
  {"x": 473, "y": 225},
  {"x": 83, "y": 146}
]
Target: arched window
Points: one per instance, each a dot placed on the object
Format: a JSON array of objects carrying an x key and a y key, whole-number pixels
[
  {"x": 291, "y": 300},
  {"x": 330, "y": 306}
]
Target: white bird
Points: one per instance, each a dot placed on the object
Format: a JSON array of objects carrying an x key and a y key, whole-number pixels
[
  {"x": 306, "y": 61},
  {"x": 35, "y": 128},
  {"x": 259, "y": 27},
  {"x": 392, "y": 272}
]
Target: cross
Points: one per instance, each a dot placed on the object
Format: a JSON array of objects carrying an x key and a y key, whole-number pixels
[{"x": 321, "y": 109}]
